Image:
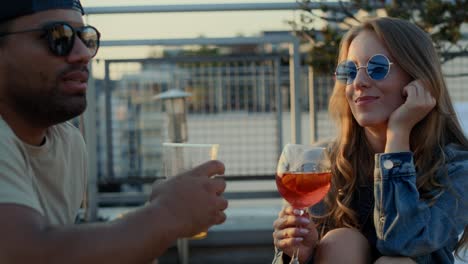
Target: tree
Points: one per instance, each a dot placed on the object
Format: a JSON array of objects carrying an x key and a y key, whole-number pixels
[{"x": 442, "y": 19}]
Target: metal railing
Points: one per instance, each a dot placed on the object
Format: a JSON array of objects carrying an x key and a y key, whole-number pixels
[{"x": 267, "y": 92}]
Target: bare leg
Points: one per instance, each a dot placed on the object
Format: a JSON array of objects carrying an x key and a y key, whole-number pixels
[
  {"x": 343, "y": 245},
  {"x": 394, "y": 260}
]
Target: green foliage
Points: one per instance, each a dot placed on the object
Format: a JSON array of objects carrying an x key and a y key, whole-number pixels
[
  {"x": 323, "y": 54},
  {"x": 201, "y": 51},
  {"x": 441, "y": 18}
]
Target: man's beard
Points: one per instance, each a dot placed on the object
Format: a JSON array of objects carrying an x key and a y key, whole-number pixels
[{"x": 46, "y": 109}]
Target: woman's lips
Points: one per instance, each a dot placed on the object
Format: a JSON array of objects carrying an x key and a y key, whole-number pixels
[{"x": 364, "y": 100}]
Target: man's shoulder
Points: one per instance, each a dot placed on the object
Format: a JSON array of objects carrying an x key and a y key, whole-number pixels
[
  {"x": 5, "y": 130},
  {"x": 66, "y": 127},
  {"x": 13, "y": 153},
  {"x": 66, "y": 136},
  {"x": 8, "y": 139},
  {"x": 67, "y": 131}
]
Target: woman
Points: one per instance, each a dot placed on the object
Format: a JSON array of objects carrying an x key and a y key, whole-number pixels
[{"x": 400, "y": 155}]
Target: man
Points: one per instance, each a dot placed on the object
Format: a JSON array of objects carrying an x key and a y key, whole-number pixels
[{"x": 45, "y": 50}]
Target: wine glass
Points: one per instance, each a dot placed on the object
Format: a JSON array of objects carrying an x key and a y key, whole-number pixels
[{"x": 303, "y": 178}]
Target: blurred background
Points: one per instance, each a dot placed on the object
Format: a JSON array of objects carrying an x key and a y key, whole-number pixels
[{"x": 258, "y": 75}]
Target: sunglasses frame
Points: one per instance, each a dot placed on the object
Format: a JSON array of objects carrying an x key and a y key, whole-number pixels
[
  {"x": 47, "y": 33},
  {"x": 347, "y": 82}
]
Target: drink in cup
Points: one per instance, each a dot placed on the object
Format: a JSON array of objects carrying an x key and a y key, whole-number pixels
[{"x": 181, "y": 157}]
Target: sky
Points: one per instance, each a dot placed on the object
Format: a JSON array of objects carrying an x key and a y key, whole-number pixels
[{"x": 180, "y": 25}]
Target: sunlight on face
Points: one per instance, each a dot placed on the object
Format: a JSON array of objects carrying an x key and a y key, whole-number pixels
[{"x": 373, "y": 101}]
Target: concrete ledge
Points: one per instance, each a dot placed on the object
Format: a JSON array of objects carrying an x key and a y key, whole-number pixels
[
  {"x": 223, "y": 255},
  {"x": 235, "y": 238}
]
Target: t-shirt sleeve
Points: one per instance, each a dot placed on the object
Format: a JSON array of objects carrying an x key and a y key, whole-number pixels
[{"x": 16, "y": 183}]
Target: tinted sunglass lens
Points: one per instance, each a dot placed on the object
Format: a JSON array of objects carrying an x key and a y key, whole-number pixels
[
  {"x": 352, "y": 71},
  {"x": 346, "y": 72},
  {"x": 61, "y": 38},
  {"x": 90, "y": 37},
  {"x": 378, "y": 67},
  {"x": 342, "y": 73}
]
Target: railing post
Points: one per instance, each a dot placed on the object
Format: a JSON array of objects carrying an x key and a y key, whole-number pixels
[
  {"x": 279, "y": 105},
  {"x": 90, "y": 134},
  {"x": 294, "y": 73},
  {"x": 312, "y": 107},
  {"x": 109, "y": 132}
]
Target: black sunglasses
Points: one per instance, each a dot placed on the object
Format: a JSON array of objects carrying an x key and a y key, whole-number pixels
[
  {"x": 61, "y": 37},
  {"x": 377, "y": 69}
]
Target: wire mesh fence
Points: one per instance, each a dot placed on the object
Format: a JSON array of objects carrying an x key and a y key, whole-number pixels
[
  {"x": 239, "y": 102},
  {"x": 233, "y": 102}
]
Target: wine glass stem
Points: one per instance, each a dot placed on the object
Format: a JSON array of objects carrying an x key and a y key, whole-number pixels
[{"x": 295, "y": 256}]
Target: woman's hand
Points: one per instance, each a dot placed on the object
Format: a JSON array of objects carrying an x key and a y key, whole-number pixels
[
  {"x": 419, "y": 102},
  {"x": 294, "y": 230}
]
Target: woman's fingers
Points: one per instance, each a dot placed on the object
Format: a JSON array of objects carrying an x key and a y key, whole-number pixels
[
  {"x": 289, "y": 237},
  {"x": 291, "y": 228},
  {"x": 419, "y": 96},
  {"x": 291, "y": 233},
  {"x": 290, "y": 242},
  {"x": 288, "y": 210},
  {"x": 290, "y": 221}
]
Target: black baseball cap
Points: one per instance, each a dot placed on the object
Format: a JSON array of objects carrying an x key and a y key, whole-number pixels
[{"x": 27, "y": 7}]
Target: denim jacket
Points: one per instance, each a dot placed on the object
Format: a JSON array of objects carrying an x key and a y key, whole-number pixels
[
  {"x": 405, "y": 225},
  {"x": 408, "y": 226}
]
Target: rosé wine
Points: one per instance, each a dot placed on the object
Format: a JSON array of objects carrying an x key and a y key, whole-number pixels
[{"x": 303, "y": 189}]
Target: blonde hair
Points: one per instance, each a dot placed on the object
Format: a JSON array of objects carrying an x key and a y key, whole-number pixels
[{"x": 412, "y": 49}]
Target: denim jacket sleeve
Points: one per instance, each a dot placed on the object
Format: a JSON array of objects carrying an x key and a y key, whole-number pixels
[{"x": 409, "y": 226}]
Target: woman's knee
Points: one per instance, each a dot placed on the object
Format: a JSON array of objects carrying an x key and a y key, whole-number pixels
[
  {"x": 343, "y": 244},
  {"x": 345, "y": 236}
]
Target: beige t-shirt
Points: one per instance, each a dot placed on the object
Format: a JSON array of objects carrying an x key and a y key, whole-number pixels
[{"x": 51, "y": 178}]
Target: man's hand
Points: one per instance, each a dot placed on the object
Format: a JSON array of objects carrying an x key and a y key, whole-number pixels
[{"x": 193, "y": 199}]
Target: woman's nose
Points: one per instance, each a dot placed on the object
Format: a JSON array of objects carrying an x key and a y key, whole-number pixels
[{"x": 362, "y": 78}]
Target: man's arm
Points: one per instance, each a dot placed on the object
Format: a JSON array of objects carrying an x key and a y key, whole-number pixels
[
  {"x": 179, "y": 207},
  {"x": 136, "y": 238}
]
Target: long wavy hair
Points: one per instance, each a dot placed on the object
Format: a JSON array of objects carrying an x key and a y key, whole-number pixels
[{"x": 412, "y": 49}]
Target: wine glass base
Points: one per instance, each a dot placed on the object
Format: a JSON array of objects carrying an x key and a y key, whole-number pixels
[{"x": 295, "y": 257}]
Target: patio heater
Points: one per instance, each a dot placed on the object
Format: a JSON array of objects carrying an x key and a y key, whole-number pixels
[{"x": 174, "y": 100}]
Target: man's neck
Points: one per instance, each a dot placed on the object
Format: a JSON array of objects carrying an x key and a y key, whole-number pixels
[{"x": 23, "y": 129}]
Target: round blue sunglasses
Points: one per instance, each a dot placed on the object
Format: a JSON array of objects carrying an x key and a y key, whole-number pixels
[{"x": 377, "y": 69}]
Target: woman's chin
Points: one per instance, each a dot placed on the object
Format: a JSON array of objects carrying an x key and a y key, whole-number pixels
[{"x": 370, "y": 123}]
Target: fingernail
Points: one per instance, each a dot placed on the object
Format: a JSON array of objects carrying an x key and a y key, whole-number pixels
[
  {"x": 304, "y": 220},
  {"x": 298, "y": 212},
  {"x": 298, "y": 239},
  {"x": 303, "y": 231}
]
